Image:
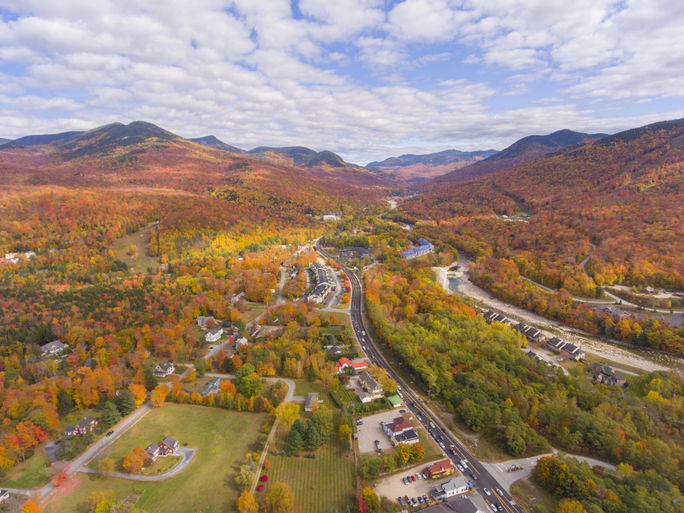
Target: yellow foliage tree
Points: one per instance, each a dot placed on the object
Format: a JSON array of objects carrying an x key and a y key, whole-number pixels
[
  {"x": 246, "y": 503},
  {"x": 280, "y": 498}
]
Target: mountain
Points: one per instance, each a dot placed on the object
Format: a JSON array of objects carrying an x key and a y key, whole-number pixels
[
  {"x": 37, "y": 140},
  {"x": 417, "y": 167},
  {"x": 4, "y": 141},
  {"x": 214, "y": 142},
  {"x": 526, "y": 149},
  {"x": 141, "y": 154}
]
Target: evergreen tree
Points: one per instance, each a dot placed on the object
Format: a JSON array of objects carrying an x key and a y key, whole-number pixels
[
  {"x": 151, "y": 380},
  {"x": 312, "y": 437},
  {"x": 125, "y": 402},
  {"x": 294, "y": 441},
  {"x": 110, "y": 415},
  {"x": 65, "y": 403}
]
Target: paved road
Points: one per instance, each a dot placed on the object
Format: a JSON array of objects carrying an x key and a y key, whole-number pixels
[
  {"x": 187, "y": 454},
  {"x": 482, "y": 479}
]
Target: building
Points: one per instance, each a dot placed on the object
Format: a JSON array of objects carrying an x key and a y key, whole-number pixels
[
  {"x": 210, "y": 387},
  {"x": 202, "y": 321},
  {"x": 85, "y": 426},
  {"x": 395, "y": 400},
  {"x": 440, "y": 469},
  {"x": 454, "y": 486},
  {"x": 555, "y": 344},
  {"x": 4, "y": 495},
  {"x": 456, "y": 505},
  {"x": 399, "y": 425},
  {"x": 422, "y": 248},
  {"x": 331, "y": 217},
  {"x": 325, "y": 282},
  {"x": 333, "y": 352},
  {"x": 607, "y": 375},
  {"x": 534, "y": 335},
  {"x": 213, "y": 335},
  {"x": 311, "y": 402},
  {"x": 370, "y": 384},
  {"x": 152, "y": 451},
  {"x": 163, "y": 369},
  {"x": 52, "y": 348},
  {"x": 345, "y": 363},
  {"x": 242, "y": 341},
  {"x": 407, "y": 437},
  {"x": 237, "y": 297},
  {"x": 168, "y": 446},
  {"x": 572, "y": 351}
]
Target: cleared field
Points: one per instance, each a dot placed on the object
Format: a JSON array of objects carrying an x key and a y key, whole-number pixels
[
  {"x": 207, "y": 483},
  {"x": 529, "y": 495},
  {"x": 35, "y": 471},
  {"x": 139, "y": 261},
  {"x": 320, "y": 485}
]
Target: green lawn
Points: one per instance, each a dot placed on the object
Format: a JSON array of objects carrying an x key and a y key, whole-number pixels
[
  {"x": 320, "y": 485},
  {"x": 306, "y": 387},
  {"x": 221, "y": 437},
  {"x": 35, "y": 471},
  {"x": 140, "y": 261}
]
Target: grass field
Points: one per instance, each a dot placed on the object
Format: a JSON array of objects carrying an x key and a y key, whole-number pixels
[
  {"x": 320, "y": 485},
  {"x": 35, "y": 471},
  {"x": 221, "y": 437},
  {"x": 140, "y": 261},
  {"x": 306, "y": 387},
  {"x": 527, "y": 494}
]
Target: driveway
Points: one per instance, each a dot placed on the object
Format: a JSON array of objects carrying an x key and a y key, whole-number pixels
[
  {"x": 186, "y": 453},
  {"x": 371, "y": 430}
]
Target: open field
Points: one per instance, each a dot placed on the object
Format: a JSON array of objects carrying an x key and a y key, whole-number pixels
[
  {"x": 208, "y": 482},
  {"x": 307, "y": 387},
  {"x": 320, "y": 485},
  {"x": 140, "y": 261},
  {"x": 528, "y": 494},
  {"x": 35, "y": 471}
]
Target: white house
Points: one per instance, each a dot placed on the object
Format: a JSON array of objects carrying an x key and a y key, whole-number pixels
[
  {"x": 164, "y": 369},
  {"x": 242, "y": 341},
  {"x": 52, "y": 348},
  {"x": 454, "y": 486},
  {"x": 213, "y": 335}
]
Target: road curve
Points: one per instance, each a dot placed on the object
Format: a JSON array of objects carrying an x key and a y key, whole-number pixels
[
  {"x": 186, "y": 453},
  {"x": 481, "y": 477}
]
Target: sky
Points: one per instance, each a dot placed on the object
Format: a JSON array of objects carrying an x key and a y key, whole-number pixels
[{"x": 367, "y": 79}]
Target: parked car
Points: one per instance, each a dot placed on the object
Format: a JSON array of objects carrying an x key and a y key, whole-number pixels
[
  {"x": 414, "y": 501},
  {"x": 486, "y": 491},
  {"x": 426, "y": 499},
  {"x": 406, "y": 500},
  {"x": 400, "y": 501},
  {"x": 403, "y": 480},
  {"x": 418, "y": 475},
  {"x": 110, "y": 433},
  {"x": 459, "y": 467},
  {"x": 413, "y": 478},
  {"x": 420, "y": 500},
  {"x": 425, "y": 476}
]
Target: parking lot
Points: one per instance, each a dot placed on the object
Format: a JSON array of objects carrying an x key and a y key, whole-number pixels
[
  {"x": 393, "y": 487},
  {"x": 371, "y": 431}
]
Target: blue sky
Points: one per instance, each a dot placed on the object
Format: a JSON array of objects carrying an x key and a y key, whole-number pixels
[{"x": 367, "y": 79}]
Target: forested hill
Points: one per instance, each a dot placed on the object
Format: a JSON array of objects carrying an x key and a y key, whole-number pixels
[
  {"x": 524, "y": 150},
  {"x": 604, "y": 213},
  {"x": 419, "y": 167},
  {"x": 141, "y": 154}
]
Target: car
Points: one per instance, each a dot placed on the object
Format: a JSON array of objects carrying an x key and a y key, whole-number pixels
[
  {"x": 472, "y": 475},
  {"x": 498, "y": 490},
  {"x": 441, "y": 445},
  {"x": 403, "y": 480},
  {"x": 426, "y": 499},
  {"x": 414, "y": 501},
  {"x": 413, "y": 478},
  {"x": 425, "y": 476},
  {"x": 496, "y": 507},
  {"x": 418, "y": 475},
  {"x": 432, "y": 425},
  {"x": 486, "y": 491},
  {"x": 110, "y": 433},
  {"x": 420, "y": 500},
  {"x": 452, "y": 449},
  {"x": 406, "y": 500},
  {"x": 402, "y": 411},
  {"x": 400, "y": 501},
  {"x": 459, "y": 467}
]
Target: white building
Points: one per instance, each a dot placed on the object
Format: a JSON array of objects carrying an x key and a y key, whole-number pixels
[
  {"x": 52, "y": 348},
  {"x": 213, "y": 335},
  {"x": 454, "y": 486}
]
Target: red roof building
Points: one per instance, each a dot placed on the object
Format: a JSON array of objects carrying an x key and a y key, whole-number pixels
[
  {"x": 344, "y": 363},
  {"x": 440, "y": 468}
]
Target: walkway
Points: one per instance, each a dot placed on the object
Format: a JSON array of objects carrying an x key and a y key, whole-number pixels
[
  {"x": 186, "y": 453},
  {"x": 264, "y": 452}
]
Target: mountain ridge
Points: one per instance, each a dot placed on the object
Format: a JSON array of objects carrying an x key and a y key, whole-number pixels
[{"x": 416, "y": 167}]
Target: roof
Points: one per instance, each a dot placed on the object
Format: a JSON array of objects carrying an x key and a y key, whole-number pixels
[
  {"x": 152, "y": 448},
  {"x": 399, "y": 424},
  {"x": 165, "y": 365},
  {"x": 456, "y": 505},
  {"x": 368, "y": 381},
  {"x": 394, "y": 400},
  {"x": 441, "y": 466},
  {"x": 311, "y": 400},
  {"x": 454, "y": 483},
  {"x": 215, "y": 331},
  {"x": 406, "y": 436},
  {"x": 169, "y": 441},
  {"x": 570, "y": 348},
  {"x": 55, "y": 345}
]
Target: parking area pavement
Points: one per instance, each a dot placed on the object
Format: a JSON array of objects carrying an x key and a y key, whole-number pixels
[
  {"x": 371, "y": 431},
  {"x": 393, "y": 487}
]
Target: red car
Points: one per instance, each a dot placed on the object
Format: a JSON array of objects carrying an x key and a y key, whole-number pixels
[{"x": 413, "y": 478}]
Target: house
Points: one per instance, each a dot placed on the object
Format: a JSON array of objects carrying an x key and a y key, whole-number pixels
[
  {"x": 555, "y": 344},
  {"x": 399, "y": 425},
  {"x": 85, "y": 426},
  {"x": 213, "y": 335},
  {"x": 163, "y": 369},
  {"x": 422, "y": 248},
  {"x": 168, "y": 446},
  {"x": 333, "y": 351},
  {"x": 455, "y": 486},
  {"x": 237, "y": 297},
  {"x": 456, "y": 505},
  {"x": 52, "y": 348},
  {"x": 152, "y": 451},
  {"x": 370, "y": 384},
  {"x": 345, "y": 363},
  {"x": 534, "y": 355},
  {"x": 226, "y": 324},
  {"x": 407, "y": 437},
  {"x": 202, "y": 321},
  {"x": 210, "y": 387},
  {"x": 440, "y": 469},
  {"x": 534, "y": 335},
  {"x": 606, "y": 375},
  {"x": 395, "y": 400},
  {"x": 572, "y": 351},
  {"x": 242, "y": 341},
  {"x": 331, "y": 217},
  {"x": 311, "y": 401}
]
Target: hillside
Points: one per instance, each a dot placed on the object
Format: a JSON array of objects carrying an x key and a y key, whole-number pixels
[
  {"x": 526, "y": 149},
  {"x": 214, "y": 142},
  {"x": 418, "y": 167},
  {"x": 144, "y": 155},
  {"x": 603, "y": 213}
]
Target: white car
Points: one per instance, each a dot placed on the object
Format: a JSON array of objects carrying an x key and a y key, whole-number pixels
[{"x": 486, "y": 491}]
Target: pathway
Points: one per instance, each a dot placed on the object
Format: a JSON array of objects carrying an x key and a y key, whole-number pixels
[
  {"x": 260, "y": 465},
  {"x": 186, "y": 453}
]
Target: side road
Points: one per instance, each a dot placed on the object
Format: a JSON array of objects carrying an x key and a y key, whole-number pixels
[{"x": 187, "y": 454}]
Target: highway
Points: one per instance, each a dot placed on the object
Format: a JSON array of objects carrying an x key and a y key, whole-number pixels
[{"x": 481, "y": 479}]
